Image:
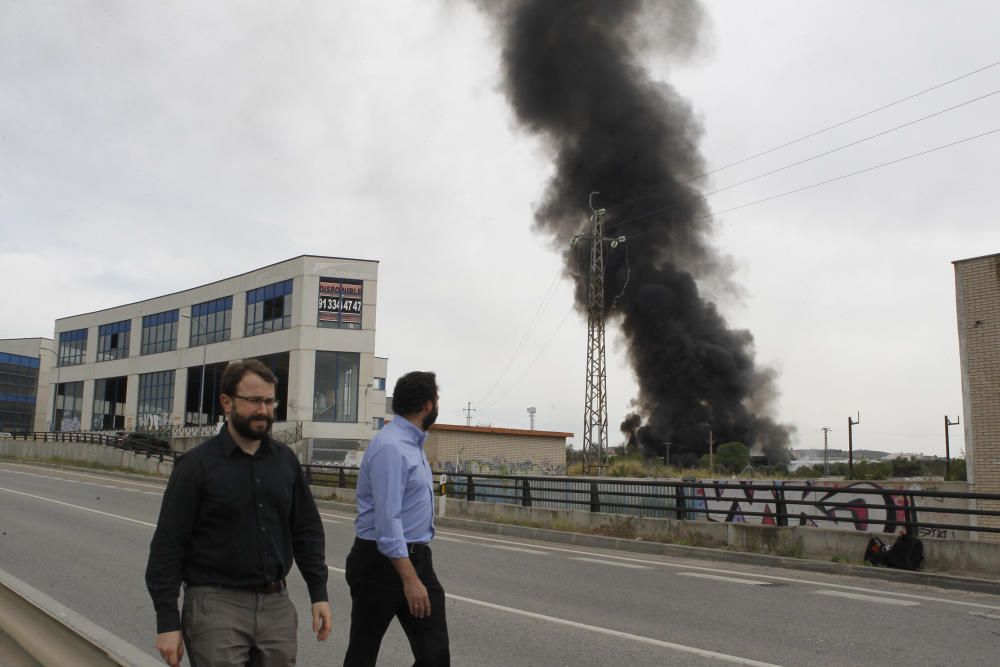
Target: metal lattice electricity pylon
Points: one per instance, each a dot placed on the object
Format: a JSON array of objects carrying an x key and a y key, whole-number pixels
[{"x": 595, "y": 409}]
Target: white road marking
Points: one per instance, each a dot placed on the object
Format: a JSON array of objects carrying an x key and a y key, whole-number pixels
[
  {"x": 612, "y": 563},
  {"x": 725, "y": 657},
  {"x": 717, "y": 577},
  {"x": 329, "y": 518},
  {"x": 982, "y": 615},
  {"x": 79, "y": 507},
  {"x": 682, "y": 565},
  {"x": 869, "y": 598},
  {"x": 78, "y": 474},
  {"x": 522, "y": 550}
]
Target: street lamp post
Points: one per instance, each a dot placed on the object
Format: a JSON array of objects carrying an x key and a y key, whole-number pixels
[
  {"x": 55, "y": 388},
  {"x": 204, "y": 349}
]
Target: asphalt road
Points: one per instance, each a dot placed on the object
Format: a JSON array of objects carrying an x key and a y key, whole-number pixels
[{"x": 83, "y": 539}]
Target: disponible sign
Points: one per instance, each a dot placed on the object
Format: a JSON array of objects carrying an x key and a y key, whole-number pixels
[{"x": 340, "y": 303}]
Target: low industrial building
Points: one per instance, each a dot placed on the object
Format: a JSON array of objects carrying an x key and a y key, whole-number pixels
[{"x": 486, "y": 449}]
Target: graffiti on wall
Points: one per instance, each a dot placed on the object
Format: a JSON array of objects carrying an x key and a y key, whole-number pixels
[
  {"x": 499, "y": 465},
  {"x": 863, "y": 506}
]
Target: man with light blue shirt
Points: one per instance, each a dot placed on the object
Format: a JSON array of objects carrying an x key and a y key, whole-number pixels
[{"x": 389, "y": 569}]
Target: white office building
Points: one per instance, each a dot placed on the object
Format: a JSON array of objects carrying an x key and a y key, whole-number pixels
[{"x": 157, "y": 363}]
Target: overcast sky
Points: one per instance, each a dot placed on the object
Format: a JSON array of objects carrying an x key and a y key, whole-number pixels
[{"x": 147, "y": 148}]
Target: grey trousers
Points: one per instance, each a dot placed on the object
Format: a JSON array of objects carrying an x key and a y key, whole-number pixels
[{"x": 223, "y": 627}]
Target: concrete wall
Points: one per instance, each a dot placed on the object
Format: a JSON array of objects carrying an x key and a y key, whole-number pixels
[
  {"x": 977, "y": 291},
  {"x": 83, "y": 453},
  {"x": 798, "y": 541}
]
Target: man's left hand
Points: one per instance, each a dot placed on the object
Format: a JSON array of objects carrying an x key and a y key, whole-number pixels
[{"x": 322, "y": 620}]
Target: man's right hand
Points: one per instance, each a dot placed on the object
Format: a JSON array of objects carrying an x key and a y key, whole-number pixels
[
  {"x": 171, "y": 647},
  {"x": 417, "y": 598}
]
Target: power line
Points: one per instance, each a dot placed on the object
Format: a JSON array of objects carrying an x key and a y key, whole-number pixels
[
  {"x": 834, "y": 150},
  {"x": 809, "y": 187},
  {"x": 542, "y": 306},
  {"x": 849, "y": 120},
  {"x": 810, "y": 135},
  {"x": 537, "y": 357},
  {"x": 853, "y": 143}
]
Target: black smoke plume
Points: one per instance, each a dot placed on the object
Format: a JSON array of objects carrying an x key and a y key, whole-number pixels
[{"x": 573, "y": 75}]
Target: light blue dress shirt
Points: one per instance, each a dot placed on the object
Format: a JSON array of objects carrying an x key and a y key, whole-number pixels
[{"x": 395, "y": 491}]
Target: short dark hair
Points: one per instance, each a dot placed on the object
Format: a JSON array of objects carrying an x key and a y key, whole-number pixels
[
  {"x": 412, "y": 391},
  {"x": 237, "y": 369}
]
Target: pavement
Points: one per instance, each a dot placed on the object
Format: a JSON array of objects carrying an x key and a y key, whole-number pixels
[{"x": 946, "y": 580}]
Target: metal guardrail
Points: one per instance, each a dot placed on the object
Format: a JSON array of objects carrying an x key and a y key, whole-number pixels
[
  {"x": 688, "y": 500},
  {"x": 122, "y": 441},
  {"x": 55, "y": 636},
  {"x": 118, "y": 441}
]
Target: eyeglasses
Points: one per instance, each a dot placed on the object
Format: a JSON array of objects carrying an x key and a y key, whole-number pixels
[{"x": 258, "y": 401}]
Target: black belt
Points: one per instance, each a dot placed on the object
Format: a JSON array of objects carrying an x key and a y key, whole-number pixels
[
  {"x": 411, "y": 547},
  {"x": 269, "y": 587}
]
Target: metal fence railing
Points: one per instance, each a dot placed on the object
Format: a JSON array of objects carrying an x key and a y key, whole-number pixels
[
  {"x": 860, "y": 506},
  {"x": 116, "y": 440}
]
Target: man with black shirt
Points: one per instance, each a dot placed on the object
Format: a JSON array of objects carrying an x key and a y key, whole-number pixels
[{"x": 235, "y": 513}]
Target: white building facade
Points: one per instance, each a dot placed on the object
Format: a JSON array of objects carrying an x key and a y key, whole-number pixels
[{"x": 158, "y": 362}]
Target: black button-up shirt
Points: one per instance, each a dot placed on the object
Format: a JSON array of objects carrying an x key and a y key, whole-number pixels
[{"x": 229, "y": 519}]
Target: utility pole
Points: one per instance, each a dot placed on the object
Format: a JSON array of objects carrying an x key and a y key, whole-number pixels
[
  {"x": 468, "y": 413},
  {"x": 826, "y": 452},
  {"x": 711, "y": 455},
  {"x": 851, "y": 423},
  {"x": 947, "y": 442},
  {"x": 595, "y": 409}
]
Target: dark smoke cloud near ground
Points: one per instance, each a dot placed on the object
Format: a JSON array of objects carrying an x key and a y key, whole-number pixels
[{"x": 573, "y": 77}]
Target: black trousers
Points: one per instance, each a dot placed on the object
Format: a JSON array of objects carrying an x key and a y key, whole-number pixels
[{"x": 377, "y": 597}]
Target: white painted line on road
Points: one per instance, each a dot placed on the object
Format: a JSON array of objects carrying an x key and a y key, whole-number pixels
[
  {"x": 612, "y": 563},
  {"x": 725, "y": 657},
  {"x": 329, "y": 518},
  {"x": 534, "y": 552},
  {"x": 868, "y": 598},
  {"x": 980, "y": 614},
  {"x": 79, "y": 507},
  {"x": 680, "y": 564},
  {"x": 717, "y": 577},
  {"x": 78, "y": 474}
]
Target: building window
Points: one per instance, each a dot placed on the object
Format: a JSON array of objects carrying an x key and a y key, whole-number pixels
[
  {"x": 69, "y": 406},
  {"x": 210, "y": 410},
  {"x": 378, "y": 384},
  {"x": 269, "y": 308},
  {"x": 159, "y": 332},
  {"x": 211, "y": 321},
  {"x": 113, "y": 340},
  {"x": 378, "y": 423},
  {"x": 18, "y": 386},
  {"x": 109, "y": 404},
  {"x": 336, "y": 387},
  {"x": 278, "y": 363},
  {"x": 340, "y": 303},
  {"x": 156, "y": 398},
  {"x": 72, "y": 347}
]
